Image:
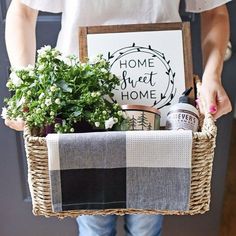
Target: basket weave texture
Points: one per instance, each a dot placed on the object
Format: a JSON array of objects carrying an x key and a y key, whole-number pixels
[{"x": 202, "y": 161}]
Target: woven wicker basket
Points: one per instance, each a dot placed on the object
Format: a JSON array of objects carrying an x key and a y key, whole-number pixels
[{"x": 202, "y": 161}]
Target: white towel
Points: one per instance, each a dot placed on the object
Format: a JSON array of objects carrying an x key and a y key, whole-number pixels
[{"x": 133, "y": 169}]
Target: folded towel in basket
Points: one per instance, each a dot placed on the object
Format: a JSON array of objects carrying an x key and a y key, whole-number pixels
[{"x": 133, "y": 169}]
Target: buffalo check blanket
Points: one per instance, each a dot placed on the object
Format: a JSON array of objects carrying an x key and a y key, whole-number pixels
[{"x": 133, "y": 169}]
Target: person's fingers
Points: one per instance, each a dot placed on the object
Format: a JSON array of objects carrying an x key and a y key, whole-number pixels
[
  {"x": 17, "y": 125},
  {"x": 8, "y": 122},
  {"x": 224, "y": 106},
  {"x": 214, "y": 98},
  {"x": 200, "y": 105},
  {"x": 211, "y": 102}
]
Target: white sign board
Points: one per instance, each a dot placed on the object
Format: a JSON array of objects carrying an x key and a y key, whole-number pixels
[{"x": 150, "y": 65}]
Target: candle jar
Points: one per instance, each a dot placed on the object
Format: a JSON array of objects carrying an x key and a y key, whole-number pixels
[{"x": 141, "y": 117}]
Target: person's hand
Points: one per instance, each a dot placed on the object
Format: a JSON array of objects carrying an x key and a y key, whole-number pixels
[
  {"x": 17, "y": 124},
  {"x": 213, "y": 98}
]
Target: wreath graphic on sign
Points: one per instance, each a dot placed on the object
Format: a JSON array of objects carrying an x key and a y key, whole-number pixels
[{"x": 167, "y": 95}]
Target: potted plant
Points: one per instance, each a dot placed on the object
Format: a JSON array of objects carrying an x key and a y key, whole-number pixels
[{"x": 61, "y": 94}]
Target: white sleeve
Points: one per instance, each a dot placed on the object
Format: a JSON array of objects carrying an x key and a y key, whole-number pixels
[
  {"x": 203, "y": 5},
  {"x": 54, "y": 6}
]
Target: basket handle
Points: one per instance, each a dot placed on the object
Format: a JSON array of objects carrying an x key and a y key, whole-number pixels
[{"x": 208, "y": 126}]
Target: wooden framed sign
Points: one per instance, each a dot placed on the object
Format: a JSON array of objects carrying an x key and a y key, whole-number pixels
[{"x": 153, "y": 61}]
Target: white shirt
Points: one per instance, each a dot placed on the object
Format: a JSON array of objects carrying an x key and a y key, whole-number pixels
[{"x": 77, "y": 13}]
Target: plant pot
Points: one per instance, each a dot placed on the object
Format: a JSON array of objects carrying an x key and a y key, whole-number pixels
[
  {"x": 84, "y": 127},
  {"x": 79, "y": 127}
]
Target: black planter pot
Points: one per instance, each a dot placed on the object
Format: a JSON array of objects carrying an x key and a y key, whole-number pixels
[
  {"x": 84, "y": 127},
  {"x": 79, "y": 127}
]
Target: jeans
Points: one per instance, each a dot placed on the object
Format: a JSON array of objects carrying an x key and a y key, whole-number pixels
[{"x": 135, "y": 225}]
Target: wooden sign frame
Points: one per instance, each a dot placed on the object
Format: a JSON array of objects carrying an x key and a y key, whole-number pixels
[{"x": 184, "y": 27}]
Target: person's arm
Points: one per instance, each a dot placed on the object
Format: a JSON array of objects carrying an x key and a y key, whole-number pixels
[
  {"x": 20, "y": 41},
  {"x": 20, "y": 34},
  {"x": 214, "y": 39}
]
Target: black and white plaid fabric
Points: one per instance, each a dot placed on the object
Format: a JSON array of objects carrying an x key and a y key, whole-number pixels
[{"x": 133, "y": 169}]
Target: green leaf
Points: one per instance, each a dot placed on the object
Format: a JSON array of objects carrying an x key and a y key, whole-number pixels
[
  {"x": 77, "y": 113},
  {"x": 64, "y": 86}
]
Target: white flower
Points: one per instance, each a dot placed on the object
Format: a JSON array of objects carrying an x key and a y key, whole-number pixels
[
  {"x": 53, "y": 88},
  {"x": 52, "y": 113},
  {"x": 102, "y": 61},
  {"x": 48, "y": 101},
  {"x": 97, "y": 124},
  {"x": 47, "y": 47},
  {"x": 41, "y": 67},
  {"x": 8, "y": 84},
  {"x": 109, "y": 123},
  {"x": 120, "y": 113},
  {"x": 4, "y": 113},
  {"x": 17, "y": 81},
  {"x": 72, "y": 130},
  {"x": 69, "y": 60},
  {"x": 42, "y": 51},
  {"x": 73, "y": 57},
  {"x": 57, "y": 125},
  {"x": 20, "y": 102},
  {"x": 64, "y": 59},
  {"x": 41, "y": 96},
  {"x": 104, "y": 112},
  {"x": 57, "y": 101},
  {"x": 93, "y": 94},
  {"x": 55, "y": 53},
  {"x": 29, "y": 67},
  {"x": 94, "y": 59},
  {"x": 111, "y": 76},
  {"x": 10, "y": 104},
  {"x": 31, "y": 73},
  {"x": 103, "y": 70},
  {"x": 115, "y": 120}
]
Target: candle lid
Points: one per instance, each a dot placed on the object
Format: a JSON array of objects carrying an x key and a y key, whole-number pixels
[{"x": 141, "y": 108}]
